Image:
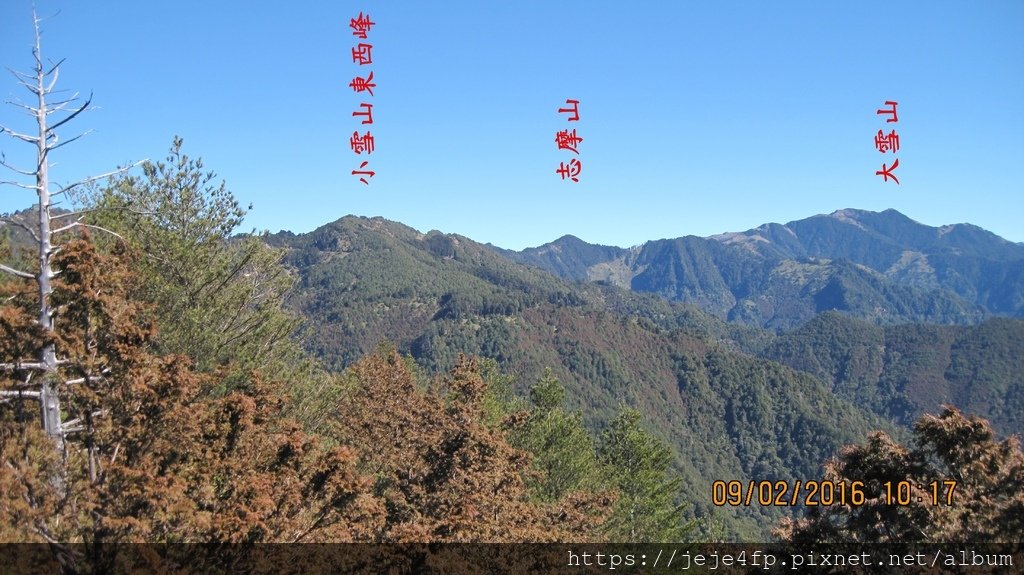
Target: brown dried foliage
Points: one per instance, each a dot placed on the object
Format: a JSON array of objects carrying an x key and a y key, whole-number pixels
[
  {"x": 987, "y": 504},
  {"x": 155, "y": 455},
  {"x": 157, "y": 458},
  {"x": 442, "y": 474}
]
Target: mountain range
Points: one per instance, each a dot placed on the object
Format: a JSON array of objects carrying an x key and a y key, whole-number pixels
[
  {"x": 873, "y": 320},
  {"x": 754, "y": 355},
  {"x": 882, "y": 267}
]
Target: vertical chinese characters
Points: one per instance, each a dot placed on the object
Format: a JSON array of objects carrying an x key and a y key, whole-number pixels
[
  {"x": 888, "y": 142},
  {"x": 568, "y": 140},
  {"x": 362, "y": 55}
]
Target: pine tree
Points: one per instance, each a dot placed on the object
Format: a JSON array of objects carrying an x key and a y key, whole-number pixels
[
  {"x": 562, "y": 449},
  {"x": 219, "y": 299},
  {"x": 638, "y": 465}
]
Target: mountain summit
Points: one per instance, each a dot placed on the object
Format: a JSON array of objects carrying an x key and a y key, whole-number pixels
[{"x": 879, "y": 266}]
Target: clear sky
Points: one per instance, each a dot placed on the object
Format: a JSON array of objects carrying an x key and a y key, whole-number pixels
[{"x": 696, "y": 117}]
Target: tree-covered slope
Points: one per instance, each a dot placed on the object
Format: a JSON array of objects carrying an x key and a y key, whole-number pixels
[
  {"x": 568, "y": 257},
  {"x": 901, "y": 372},
  {"x": 727, "y": 414}
]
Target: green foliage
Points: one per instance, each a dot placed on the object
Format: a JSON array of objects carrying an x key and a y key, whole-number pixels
[
  {"x": 563, "y": 450},
  {"x": 157, "y": 459},
  {"x": 464, "y": 457},
  {"x": 638, "y": 465},
  {"x": 217, "y": 299},
  {"x": 5, "y": 253},
  {"x": 548, "y": 393},
  {"x": 18, "y": 248},
  {"x": 749, "y": 419},
  {"x": 499, "y": 401},
  {"x": 902, "y": 372}
]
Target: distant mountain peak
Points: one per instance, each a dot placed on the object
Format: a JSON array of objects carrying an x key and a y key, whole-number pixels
[
  {"x": 741, "y": 237},
  {"x": 850, "y": 217},
  {"x": 846, "y": 213},
  {"x": 861, "y": 218},
  {"x": 863, "y": 261},
  {"x": 571, "y": 240}
]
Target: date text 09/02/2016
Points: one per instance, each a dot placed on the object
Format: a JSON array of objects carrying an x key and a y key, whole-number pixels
[{"x": 781, "y": 493}]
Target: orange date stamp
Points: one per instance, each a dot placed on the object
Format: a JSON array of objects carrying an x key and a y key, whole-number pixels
[{"x": 813, "y": 493}]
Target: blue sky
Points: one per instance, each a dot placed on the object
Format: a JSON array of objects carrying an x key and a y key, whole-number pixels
[{"x": 697, "y": 117}]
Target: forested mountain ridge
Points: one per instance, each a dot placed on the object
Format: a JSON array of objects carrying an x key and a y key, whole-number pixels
[
  {"x": 726, "y": 414},
  {"x": 190, "y": 415},
  {"x": 716, "y": 391},
  {"x": 731, "y": 401},
  {"x": 882, "y": 267}
]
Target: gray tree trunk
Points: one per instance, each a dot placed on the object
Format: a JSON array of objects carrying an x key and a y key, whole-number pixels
[{"x": 40, "y": 82}]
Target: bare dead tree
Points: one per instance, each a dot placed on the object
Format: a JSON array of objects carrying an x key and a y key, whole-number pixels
[{"x": 39, "y": 376}]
